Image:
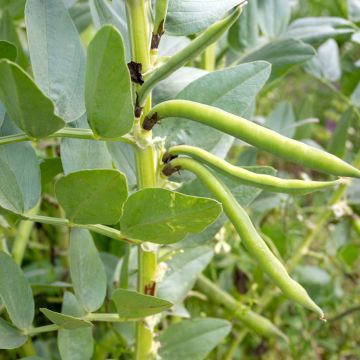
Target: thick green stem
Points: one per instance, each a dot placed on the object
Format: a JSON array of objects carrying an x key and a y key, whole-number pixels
[{"x": 138, "y": 25}]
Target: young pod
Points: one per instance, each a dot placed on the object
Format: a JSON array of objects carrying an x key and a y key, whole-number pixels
[
  {"x": 256, "y": 246},
  {"x": 256, "y": 135},
  {"x": 195, "y": 48},
  {"x": 262, "y": 181}
]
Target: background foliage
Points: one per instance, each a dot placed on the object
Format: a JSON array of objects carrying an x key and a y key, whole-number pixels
[{"x": 311, "y": 93}]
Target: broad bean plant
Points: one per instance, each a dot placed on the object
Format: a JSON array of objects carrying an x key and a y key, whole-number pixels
[{"x": 118, "y": 124}]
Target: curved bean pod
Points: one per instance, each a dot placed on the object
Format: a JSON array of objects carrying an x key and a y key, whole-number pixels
[
  {"x": 269, "y": 263},
  {"x": 195, "y": 48},
  {"x": 262, "y": 181},
  {"x": 253, "y": 134}
]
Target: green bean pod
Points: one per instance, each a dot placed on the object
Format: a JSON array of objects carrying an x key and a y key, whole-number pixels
[
  {"x": 262, "y": 181},
  {"x": 161, "y": 8},
  {"x": 254, "y": 134},
  {"x": 256, "y": 246},
  {"x": 195, "y": 48},
  {"x": 253, "y": 321}
]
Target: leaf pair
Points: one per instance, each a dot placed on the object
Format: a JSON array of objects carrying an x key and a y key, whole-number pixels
[
  {"x": 89, "y": 283},
  {"x": 25, "y": 103},
  {"x": 58, "y": 63},
  {"x": 55, "y": 50},
  {"x": 100, "y": 85},
  {"x": 157, "y": 215}
]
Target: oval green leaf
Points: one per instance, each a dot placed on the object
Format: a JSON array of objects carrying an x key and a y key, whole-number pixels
[
  {"x": 65, "y": 321},
  {"x": 104, "y": 12},
  {"x": 57, "y": 56},
  {"x": 20, "y": 182},
  {"x": 75, "y": 344},
  {"x": 273, "y": 16},
  {"x": 192, "y": 339},
  {"x": 164, "y": 217},
  {"x": 16, "y": 293},
  {"x": 133, "y": 305},
  {"x": 82, "y": 154},
  {"x": 316, "y": 30},
  {"x": 282, "y": 54},
  {"x": 92, "y": 196},
  {"x": 183, "y": 270},
  {"x": 192, "y": 16},
  {"x": 244, "y": 34},
  {"x": 108, "y": 90},
  {"x": 11, "y": 338},
  {"x": 87, "y": 270},
  {"x": 7, "y": 51},
  {"x": 10, "y": 194},
  {"x": 26, "y": 105}
]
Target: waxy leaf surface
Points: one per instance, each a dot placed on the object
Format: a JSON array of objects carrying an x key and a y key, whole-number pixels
[
  {"x": 65, "y": 321},
  {"x": 244, "y": 34},
  {"x": 57, "y": 56},
  {"x": 16, "y": 293},
  {"x": 11, "y": 338},
  {"x": 26, "y": 105},
  {"x": 20, "y": 176},
  {"x": 82, "y": 154},
  {"x": 92, "y": 196},
  {"x": 87, "y": 270},
  {"x": 182, "y": 271},
  {"x": 108, "y": 90},
  {"x": 164, "y": 217},
  {"x": 76, "y": 344},
  {"x": 315, "y": 30},
  {"x": 282, "y": 55},
  {"x": 104, "y": 12},
  {"x": 192, "y": 339},
  {"x": 133, "y": 305},
  {"x": 192, "y": 16},
  {"x": 273, "y": 16}
]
